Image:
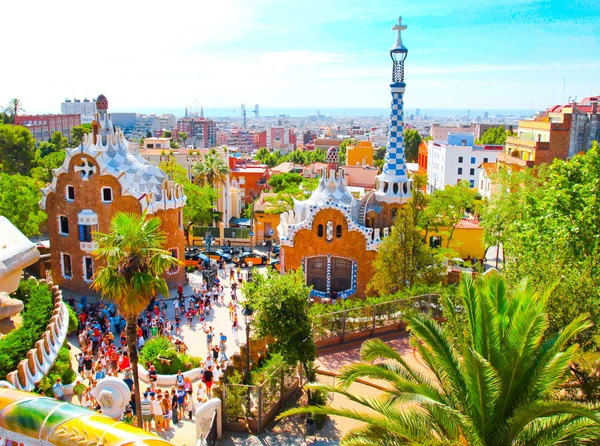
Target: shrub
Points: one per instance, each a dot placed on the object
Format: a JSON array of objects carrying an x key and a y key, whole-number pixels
[
  {"x": 61, "y": 368},
  {"x": 73, "y": 321},
  {"x": 35, "y": 318},
  {"x": 319, "y": 398},
  {"x": 163, "y": 348}
]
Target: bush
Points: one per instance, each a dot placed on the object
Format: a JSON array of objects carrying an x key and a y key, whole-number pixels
[
  {"x": 164, "y": 348},
  {"x": 61, "y": 368},
  {"x": 319, "y": 398},
  {"x": 37, "y": 297},
  {"x": 73, "y": 321}
]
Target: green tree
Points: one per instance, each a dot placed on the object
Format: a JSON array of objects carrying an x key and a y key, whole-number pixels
[
  {"x": 451, "y": 205},
  {"x": 19, "y": 202},
  {"x": 412, "y": 139},
  {"x": 288, "y": 191},
  {"x": 280, "y": 304},
  {"x": 547, "y": 221},
  {"x": 495, "y": 135},
  {"x": 212, "y": 170},
  {"x": 182, "y": 136},
  {"x": 167, "y": 134},
  {"x": 198, "y": 207},
  {"x": 148, "y": 134},
  {"x": 343, "y": 152},
  {"x": 494, "y": 388},
  {"x": 17, "y": 149},
  {"x": 281, "y": 181},
  {"x": 14, "y": 107},
  {"x": 59, "y": 141},
  {"x": 134, "y": 261},
  {"x": 77, "y": 133},
  {"x": 43, "y": 171},
  {"x": 403, "y": 259}
]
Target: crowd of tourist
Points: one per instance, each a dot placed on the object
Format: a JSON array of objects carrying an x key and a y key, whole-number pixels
[{"x": 104, "y": 352}]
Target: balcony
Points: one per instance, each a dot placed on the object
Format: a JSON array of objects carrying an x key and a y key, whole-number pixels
[
  {"x": 514, "y": 143},
  {"x": 88, "y": 246},
  {"x": 515, "y": 160}
]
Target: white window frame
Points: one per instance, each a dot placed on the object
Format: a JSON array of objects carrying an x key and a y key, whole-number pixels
[
  {"x": 62, "y": 265},
  {"x": 64, "y": 234},
  {"x": 85, "y": 279},
  {"x": 112, "y": 197},
  {"x": 70, "y": 200}
]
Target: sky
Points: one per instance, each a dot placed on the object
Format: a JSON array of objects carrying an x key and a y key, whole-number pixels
[{"x": 478, "y": 54}]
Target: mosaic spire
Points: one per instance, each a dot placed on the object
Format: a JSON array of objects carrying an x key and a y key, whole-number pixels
[{"x": 393, "y": 184}]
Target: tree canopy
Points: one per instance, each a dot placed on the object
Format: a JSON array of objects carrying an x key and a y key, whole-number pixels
[
  {"x": 77, "y": 133},
  {"x": 280, "y": 304},
  {"x": 547, "y": 221},
  {"x": 19, "y": 198},
  {"x": 412, "y": 139},
  {"x": 289, "y": 186},
  {"x": 14, "y": 107},
  {"x": 212, "y": 170},
  {"x": 17, "y": 149},
  {"x": 495, "y": 135}
]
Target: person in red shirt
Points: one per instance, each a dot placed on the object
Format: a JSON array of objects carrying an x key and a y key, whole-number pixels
[
  {"x": 190, "y": 316},
  {"x": 125, "y": 362},
  {"x": 180, "y": 291}
]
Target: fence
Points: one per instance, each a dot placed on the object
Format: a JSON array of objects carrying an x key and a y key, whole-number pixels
[
  {"x": 200, "y": 231},
  {"x": 357, "y": 324},
  {"x": 236, "y": 233},
  {"x": 253, "y": 406}
]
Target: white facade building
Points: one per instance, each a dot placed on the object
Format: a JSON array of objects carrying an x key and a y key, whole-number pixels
[
  {"x": 85, "y": 108},
  {"x": 457, "y": 160}
]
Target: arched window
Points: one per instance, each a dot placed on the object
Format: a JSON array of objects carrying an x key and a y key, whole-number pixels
[
  {"x": 394, "y": 214},
  {"x": 320, "y": 230},
  {"x": 395, "y": 188},
  {"x": 338, "y": 231},
  {"x": 329, "y": 231}
]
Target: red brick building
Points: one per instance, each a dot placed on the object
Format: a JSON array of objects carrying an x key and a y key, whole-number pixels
[
  {"x": 42, "y": 126},
  {"x": 98, "y": 179},
  {"x": 201, "y": 132}
]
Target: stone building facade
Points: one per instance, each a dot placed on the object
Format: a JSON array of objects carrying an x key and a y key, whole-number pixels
[
  {"x": 98, "y": 179},
  {"x": 333, "y": 236}
]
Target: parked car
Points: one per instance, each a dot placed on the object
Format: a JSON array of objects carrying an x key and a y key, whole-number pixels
[
  {"x": 193, "y": 258},
  {"x": 218, "y": 254},
  {"x": 250, "y": 259},
  {"x": 274, "y": 264}
]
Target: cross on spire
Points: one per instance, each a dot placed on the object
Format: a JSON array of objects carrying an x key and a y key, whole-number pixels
[{"x": 399, "y": 27}]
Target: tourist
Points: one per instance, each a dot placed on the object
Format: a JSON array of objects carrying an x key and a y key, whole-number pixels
[
  {"x": 146, "y": 412},
  {"x": 124, "y": 363},
  {"x": 201, "y": 396},
  {"x": 127, "y": 379},
  {"x": 179, "y": 378},
  {"x": 99, "y": 373},
  {"x": 208, "y": 379},
  {"x": 58, "y": 390},
  {"x": 176, "y": 307},
  {"x": 180, "y": 393},
  {"x": 190, "y": 406},
  {"x": 231, "y": 275},
  {"x": 234, "y": 330},
  {"x": 167, "y": 410},
  {"x": 88, "y": 366},
  {"x": 180, "y": 291},
  {"x": 157, "y": 411},
  {"x": 190, "y": 317},
  {"x": 128, "y": 416},
  {"x": 209, "y": 338},
  {"x": 187, "y": 384}
]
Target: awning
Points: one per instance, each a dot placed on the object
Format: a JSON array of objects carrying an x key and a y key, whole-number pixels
[{"x": 239, "y": 221}]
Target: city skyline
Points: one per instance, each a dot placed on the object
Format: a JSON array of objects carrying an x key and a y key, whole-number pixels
[{"x": 512, "y": 54}]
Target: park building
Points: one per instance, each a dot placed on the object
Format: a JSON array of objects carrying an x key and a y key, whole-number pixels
[
  {"x": 334, "y": 236},
  {"x": 98, "y": 179}
]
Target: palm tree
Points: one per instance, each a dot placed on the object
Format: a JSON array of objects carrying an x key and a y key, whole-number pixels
[
  {"x": 493, "y": 387},
  {"x": 211, "y": 170},
  {"x": 134, "y": 263},
  {"x": 14, "y": 107}
]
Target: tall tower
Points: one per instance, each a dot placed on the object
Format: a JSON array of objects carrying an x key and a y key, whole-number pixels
[{"x": 393, "y": 184}]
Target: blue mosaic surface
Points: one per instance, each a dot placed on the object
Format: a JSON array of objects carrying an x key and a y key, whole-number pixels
[{"x": 395, "y": 159}]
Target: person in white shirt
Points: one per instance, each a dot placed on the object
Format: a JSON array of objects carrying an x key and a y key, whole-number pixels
[{"x": 176, "y": 307}]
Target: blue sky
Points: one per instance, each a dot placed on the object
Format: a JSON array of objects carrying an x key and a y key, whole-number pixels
[{"x": 462, "y": 54}]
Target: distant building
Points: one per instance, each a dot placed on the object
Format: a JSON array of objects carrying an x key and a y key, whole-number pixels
[
  {"x": 251, "y": 178},
  {"x": 281, "y": 138},
  {"x": 85, "y": 108},
  {"x": 167, "y": 122},
  {"x": 457, "y": 160},
  {"x": 126, "y": 121},
  {"x": 201, "y": 132},
  {"x": 42, "y": 126},
  {"x": 560, "y": 133},
  {"x": 98, "y": 179},
  {"x": 361, "y": 176},
  {"x": 440, "y": 132},
  {"x": 360, "y": 154},
  {"x": 157, "y": 143},
  {"x": 423, "y": 158}
]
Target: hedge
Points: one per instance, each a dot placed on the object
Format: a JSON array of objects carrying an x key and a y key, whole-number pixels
[
  {"x": 164, "y": 348},
  {"x": 37, "y": 297}
]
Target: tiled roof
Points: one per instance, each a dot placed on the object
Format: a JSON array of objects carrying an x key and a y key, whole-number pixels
[{"x": 469, "y": 223}]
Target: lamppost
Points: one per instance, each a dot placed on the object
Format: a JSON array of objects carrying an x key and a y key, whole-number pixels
[
  {"x": 208, "y": 239},
  {"x": 247, "y": 312}
]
